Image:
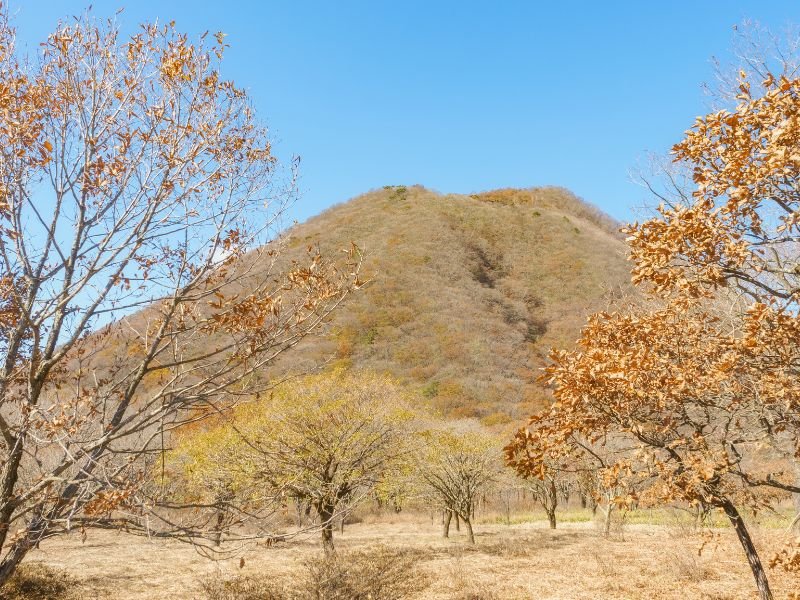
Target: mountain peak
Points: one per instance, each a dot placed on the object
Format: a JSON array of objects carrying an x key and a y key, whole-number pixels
[{"x": 467, "y": 292}]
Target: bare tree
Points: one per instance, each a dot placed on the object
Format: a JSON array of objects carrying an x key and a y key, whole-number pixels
[
  {"x": 456, "y": 465},
  {"x": 133, "y": 181},
  {"x": 545, "y": 491}
]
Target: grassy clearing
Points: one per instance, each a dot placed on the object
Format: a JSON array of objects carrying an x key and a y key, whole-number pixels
[
  {"x": 523, "y": 560},
  {"x": 673, "y": 518}
]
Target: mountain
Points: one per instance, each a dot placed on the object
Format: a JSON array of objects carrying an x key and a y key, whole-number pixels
[{"x": 466, "y": 293}]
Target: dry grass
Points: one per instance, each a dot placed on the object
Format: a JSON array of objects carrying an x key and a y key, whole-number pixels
[{"x": 508, "y": 562}]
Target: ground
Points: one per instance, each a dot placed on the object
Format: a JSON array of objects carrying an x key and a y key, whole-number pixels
[{"x": 517, "y": 561}]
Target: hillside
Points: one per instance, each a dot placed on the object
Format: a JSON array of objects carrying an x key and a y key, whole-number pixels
[{"x": 467, "y": 293}]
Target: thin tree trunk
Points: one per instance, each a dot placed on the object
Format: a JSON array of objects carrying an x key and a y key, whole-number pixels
[
  {"x": 446, "y": 523},
  {"x": 551, "y": 503},
  {"x": 607, "y": 523},
  {"x": 749, "y": 549},
  {"x": 458, "y": 522},
  {"x": 219, "y": 526},
  {"x": 470, "y": 535},
  {"x": 796, "y": 497}
]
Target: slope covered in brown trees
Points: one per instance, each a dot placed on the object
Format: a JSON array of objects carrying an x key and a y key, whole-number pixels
[{"x": 466, "y": 294}]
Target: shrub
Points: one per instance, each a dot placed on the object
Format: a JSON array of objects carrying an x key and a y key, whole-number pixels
[
  {"x": 431, "y": 390},
  {"x": 241, "y": 587},
  {"x": 374, "y": 574},
  {"x": 688, "y": 566},
  {"x": 36, "y": 581}
]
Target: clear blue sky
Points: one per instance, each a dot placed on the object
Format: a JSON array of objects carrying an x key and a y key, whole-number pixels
[{"x": 459, "y": 96}]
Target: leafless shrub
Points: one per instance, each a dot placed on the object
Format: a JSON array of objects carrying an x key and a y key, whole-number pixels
[
  {"x": 612, "y": 521},
  {"x": 463, "y": 582},
  {"x": 685, "y": 523},
  {"x": 480, "y": 593},
  {"x": 35, "y": 581},
  {"x": 377, "y": 573},
  {"x": 605, "y": 566},
  {"x": 513, "y": 548},
  {"x": 688, "y": 566},
  {"x": 241, "y": 588}
]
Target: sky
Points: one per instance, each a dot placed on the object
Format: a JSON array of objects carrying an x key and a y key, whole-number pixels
[{"x": 459, "y": 96}]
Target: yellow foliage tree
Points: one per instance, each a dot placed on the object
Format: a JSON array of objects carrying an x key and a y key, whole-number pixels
[{"x": 327, "y": 440}]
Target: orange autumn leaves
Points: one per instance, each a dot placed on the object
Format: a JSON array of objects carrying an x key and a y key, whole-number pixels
[
  {"x": 677, "y": 401},
  {"x": 721, "y": 268},
  {"x": 692, "y": 395},
  {"x": 743, "y": 221},
  {"x": 141, "y": 116}
]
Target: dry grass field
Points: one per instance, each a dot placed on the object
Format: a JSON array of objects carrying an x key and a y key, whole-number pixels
[{"x": 517, "y": 561}]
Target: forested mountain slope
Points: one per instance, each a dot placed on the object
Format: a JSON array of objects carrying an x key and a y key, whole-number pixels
[{"x": 466, "y": 293}]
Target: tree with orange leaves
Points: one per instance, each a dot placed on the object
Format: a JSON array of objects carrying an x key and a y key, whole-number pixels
[
  {"x": 140, "y": 203},
  {"x": 695, "y": 396}
]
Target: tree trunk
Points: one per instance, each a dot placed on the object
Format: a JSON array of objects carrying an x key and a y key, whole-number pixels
[
  {"x": 12, "y": 560},
  {"x": 749, "y": 549},
  {"x": 607, "y": 523},
  {"x": 583, "y": 500},
  {"x": 446, "y": 517},
  {"x": 8, "y": 483},
  {"x": 326, "y": 518},
  {"x": 551, "y": 503},
  {"x": 327, "y": 538},
  {"x": 219, "y": 526},
  {"x": 470, "y": 535},
  {"x": 458, "y": 522},
  {"x": 796, "y": 497},
  {"x": 36, "y": 532},
  {"x": 701, "y": 514}
]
